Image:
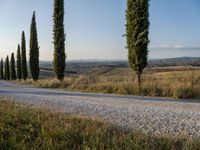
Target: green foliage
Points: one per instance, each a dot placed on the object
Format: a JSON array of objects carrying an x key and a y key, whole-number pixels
[
  {"x": 137, "y": 31},
  {"x": 26, "y": 128},
  {"x": 23, "y": 57},
  {"x": 7, "y": 69},
  {"x": 12, "y": 67},
  {"x": 1, "y": 69},
  {"x": 19, "y": 64},
  {"x": 59, "y": 39},
  {"x": 34, "y": 50}
]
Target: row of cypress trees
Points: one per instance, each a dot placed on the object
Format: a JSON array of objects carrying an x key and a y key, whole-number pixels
[
  {"x": 8, "y": 71},
  {"x": 59, "y": 50},
  {"x": 137, "y": 32}
]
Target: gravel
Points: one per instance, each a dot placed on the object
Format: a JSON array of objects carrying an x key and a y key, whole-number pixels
[{"x": 156, "y": 116}]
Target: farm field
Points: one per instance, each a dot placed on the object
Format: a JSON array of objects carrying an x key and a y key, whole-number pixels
[{"x": 114, "y": 77}]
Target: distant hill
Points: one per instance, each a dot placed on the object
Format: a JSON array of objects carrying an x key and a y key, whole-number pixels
[
  {"x": 180, "y": 61},
  {"x": 116, "y": 67}
]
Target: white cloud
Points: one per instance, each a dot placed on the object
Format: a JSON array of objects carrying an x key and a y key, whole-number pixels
[{"x": 173, "y": 47}]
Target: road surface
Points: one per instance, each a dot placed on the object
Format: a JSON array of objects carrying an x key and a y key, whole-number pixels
[{"x": 151, "y": 115}]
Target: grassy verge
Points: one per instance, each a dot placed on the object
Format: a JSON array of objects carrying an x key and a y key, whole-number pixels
[
  {"x": 27, "y": 128},
  {"x": 177, "y": 84}
]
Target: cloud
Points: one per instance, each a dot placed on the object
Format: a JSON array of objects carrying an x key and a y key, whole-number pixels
[{"x": 174, "y": 47}]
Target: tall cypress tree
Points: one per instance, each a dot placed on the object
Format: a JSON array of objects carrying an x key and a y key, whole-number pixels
[
  {"x": 1, "y": 73},
  {"x": 12, "y": 67},
  {"x": 137, "y": 31},
  {"x": 59, "y": 39},
  {"x": 19, "y": 64},
  {"x": 23, "y": 57},
  {"x": 7, "y": 69},
  {"x": 34, "y": 50}
]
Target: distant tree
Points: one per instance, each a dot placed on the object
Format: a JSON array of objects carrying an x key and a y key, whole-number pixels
[
  {"x": 1, "y": 72},
  {"x": 34, "y": 50},
  {"x": 7, "y": 69},
  {"x": 59, "y": 39},
  {"x": 23, "y": 57},
  {"x": 12, "y": 67},
  {"x": 137, "y": 31},
  {"x": 19, "y": 64}
]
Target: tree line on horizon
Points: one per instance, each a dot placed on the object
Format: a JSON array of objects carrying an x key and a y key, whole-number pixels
[{"x": 137, "y": 32}]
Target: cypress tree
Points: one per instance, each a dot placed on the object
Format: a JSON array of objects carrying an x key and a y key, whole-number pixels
[
  {"x": 137, "y": 31},
  {"x": 19, "y": 64},
  {"x": 34, "y": 50},
  {"x": 59, "y": 39},
  {"x": 2, "y": 76},
  {"x": 7, "y": 69},
  {"x": 12, "y": 67},
  {"x": 0, "y": 71},
  {"x": 23, "y": 57}
]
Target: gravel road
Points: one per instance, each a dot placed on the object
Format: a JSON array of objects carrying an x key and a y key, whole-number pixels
[{"x": 151, "y": 115}]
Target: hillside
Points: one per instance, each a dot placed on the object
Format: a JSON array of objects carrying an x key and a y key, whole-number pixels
[
  {"x": 181, "y": 61},
  {"x": 120, "y": 67}
]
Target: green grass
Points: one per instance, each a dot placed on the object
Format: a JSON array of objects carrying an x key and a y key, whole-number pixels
[
  {"x": 30, "y": 128},
  {"x": 175, "y": 84}
]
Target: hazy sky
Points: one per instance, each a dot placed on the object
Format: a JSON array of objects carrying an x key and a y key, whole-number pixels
[{"x": 94, "y": 28}]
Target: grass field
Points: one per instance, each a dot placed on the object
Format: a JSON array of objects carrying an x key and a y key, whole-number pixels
[
  {"x": 175, "y": 83},
  {"x": 30, "y": 128}
]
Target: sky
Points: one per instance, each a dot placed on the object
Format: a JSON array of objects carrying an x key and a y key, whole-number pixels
[{"x": 95, "y": 28}]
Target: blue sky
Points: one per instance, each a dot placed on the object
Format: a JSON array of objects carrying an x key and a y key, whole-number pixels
[{"x": 94, "y": 28}]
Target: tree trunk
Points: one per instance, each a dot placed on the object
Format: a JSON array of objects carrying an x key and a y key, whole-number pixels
[
  {"x": 139, "y": 79},
  {"x": 139, "y": 82}
]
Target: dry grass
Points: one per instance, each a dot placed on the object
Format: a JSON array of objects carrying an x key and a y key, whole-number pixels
[
  {"x": 176, "y": 84},
  {"x": 24, "y": 128}
]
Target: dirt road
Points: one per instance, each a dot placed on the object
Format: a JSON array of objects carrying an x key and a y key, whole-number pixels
[{"x": 151, "y": 115}]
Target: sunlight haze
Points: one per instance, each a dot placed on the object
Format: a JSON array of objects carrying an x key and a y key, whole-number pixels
[{"x": 95, "y": 28}]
